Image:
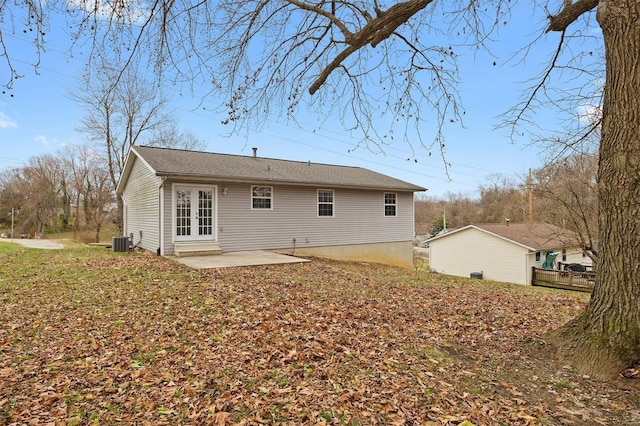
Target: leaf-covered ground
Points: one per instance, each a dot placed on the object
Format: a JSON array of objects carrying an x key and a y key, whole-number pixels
[{"x": 93, "y": 337}]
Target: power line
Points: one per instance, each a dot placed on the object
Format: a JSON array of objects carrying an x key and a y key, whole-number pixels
[
  {"x": 196, "y": 93},
  {"x": 322, "y": 132},
  {"x": 12, "y": 160},
  {"x": 368, "y": 161},
  {"x": 318, "y": 134}
]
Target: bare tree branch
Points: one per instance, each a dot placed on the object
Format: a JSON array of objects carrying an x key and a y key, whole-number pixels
[
  {"x": 570, "y": 13},
  {"x": 523, "y": 107},
  {"x": 376, "y": 30},
  {"x": 329, "y": 15}
]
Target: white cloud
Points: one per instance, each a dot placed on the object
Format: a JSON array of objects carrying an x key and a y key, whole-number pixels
[
  {"x": 6, "y": 122},
  {"x": 125, "y": 11},
  {"x": 44, "y": 140},
  {"x": 589, "y": 114}
]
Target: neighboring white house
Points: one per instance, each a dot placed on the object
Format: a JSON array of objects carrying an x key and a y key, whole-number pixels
[
  {"x": 179, "y": 202},
  {"x": 502, "y": 252}
]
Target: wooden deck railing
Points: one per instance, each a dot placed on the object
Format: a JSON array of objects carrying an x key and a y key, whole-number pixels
[
  {"x": 579, "y": 281},
  {"x": 564, "y": 265}
]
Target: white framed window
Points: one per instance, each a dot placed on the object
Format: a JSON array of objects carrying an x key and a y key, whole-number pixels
[
  {"x": 325, "y": 202},
  {"x": 390, "y": 203},
  {"x": 261, "y": 197}
]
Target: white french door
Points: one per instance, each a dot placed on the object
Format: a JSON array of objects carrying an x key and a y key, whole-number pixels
[{"x": 195, "y": 213}]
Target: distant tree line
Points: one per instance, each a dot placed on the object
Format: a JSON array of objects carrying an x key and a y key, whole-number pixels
[
  {"x": 74, "y": 190},
  {"x": 65, "y": 192},
  {"x": 562, "y": 193}
]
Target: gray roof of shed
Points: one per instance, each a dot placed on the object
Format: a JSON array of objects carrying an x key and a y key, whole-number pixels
[{"x": 206, "y": 165}]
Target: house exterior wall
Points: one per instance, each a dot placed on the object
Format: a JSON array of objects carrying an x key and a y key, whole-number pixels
[
  {"x": 141, "y": 201},
  {"x": 358, "y": 220},
  {"x": 577, "y": 256},
  {"x": 531, "y": 262},
  {"x": 472, "y": 250},
  {"x": 573, "y": 255}
]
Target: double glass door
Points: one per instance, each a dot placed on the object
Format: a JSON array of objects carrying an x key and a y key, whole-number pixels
[{"x": 195, "y": 213}]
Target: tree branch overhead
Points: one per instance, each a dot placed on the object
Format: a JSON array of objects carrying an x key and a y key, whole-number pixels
[
  {"x": 375, "y": 31},
  {"x": 569, "y": 14}
]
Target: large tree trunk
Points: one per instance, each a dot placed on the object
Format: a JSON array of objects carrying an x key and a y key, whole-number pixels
[{"x": 605, "y": 338}]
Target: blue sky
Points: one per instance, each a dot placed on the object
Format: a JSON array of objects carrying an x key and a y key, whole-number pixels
[{"x": 37, "y": 117}]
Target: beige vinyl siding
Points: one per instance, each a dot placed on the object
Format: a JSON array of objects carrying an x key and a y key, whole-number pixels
[
  {"x": 472, "y": 250},
  {"x": 141, "y": 200},
  {"x": 358, "y": 218}
]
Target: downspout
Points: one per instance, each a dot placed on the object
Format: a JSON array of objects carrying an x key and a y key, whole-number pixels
[{"x": 160, "y": 207}]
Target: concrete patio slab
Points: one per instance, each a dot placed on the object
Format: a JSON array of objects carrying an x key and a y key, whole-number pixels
[{"x": 239, "y": 258}]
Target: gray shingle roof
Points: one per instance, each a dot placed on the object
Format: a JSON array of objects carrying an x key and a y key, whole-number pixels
[
  {"x": 536, "y": 236},
  {"x": 207, "y": 165}
]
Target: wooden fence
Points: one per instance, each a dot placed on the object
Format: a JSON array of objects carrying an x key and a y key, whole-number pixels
[{"x": 578, "y": 281}]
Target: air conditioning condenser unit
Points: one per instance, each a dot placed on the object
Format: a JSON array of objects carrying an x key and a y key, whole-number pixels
[{"x": 120, "y": 244}]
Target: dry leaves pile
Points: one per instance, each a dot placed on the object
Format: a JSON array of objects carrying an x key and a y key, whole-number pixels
[{"x": 92, "y": 337}]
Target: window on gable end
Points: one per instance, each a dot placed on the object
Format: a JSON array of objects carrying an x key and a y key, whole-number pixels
[{"x": 390, "y": 203}]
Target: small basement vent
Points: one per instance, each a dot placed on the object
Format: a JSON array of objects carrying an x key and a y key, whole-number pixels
[{"x": 120, "y": 244}]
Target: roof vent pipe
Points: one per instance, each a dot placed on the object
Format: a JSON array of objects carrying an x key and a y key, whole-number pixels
[{"x": 255, "y": 152}]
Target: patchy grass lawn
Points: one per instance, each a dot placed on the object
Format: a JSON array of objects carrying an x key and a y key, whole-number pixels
[
  {"x": 7, "y": 248},
  {"x": 88, "y": 336}
]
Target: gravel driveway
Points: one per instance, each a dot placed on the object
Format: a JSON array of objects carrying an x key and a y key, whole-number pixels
[{"x": 40, "y": 244}]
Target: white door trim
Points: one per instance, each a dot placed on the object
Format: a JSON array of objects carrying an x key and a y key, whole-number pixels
[{"x": 194, "y": 218}]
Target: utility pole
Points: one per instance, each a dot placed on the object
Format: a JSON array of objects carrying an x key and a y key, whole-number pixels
[
  {"x": 530, "y": 186},
  {"x": 11, "y": 224},
  {"x": 444, "y": 219}
]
